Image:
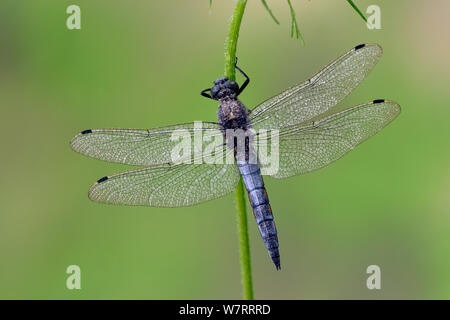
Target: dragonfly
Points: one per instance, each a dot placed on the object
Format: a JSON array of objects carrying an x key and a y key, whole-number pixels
[{"x": 308, "y": 138}]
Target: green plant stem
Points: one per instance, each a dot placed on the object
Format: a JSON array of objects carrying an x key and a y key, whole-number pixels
[
  {"x": 233, "y": 35},
  {"x": 270, "y": 11},
  {"x": 294, "y": 25},
  {"x": 357, "y": 10},
  {"x": 244, "y": 245}
]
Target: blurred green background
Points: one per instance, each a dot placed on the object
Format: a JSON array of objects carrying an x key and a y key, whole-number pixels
[{"x": 141, "y": 64}]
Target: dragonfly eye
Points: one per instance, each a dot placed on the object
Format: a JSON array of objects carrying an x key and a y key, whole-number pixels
[
  {"x": 220, "y": 81},
  {"x": 233, "y": 86},
  {"x": 215, "y": 92},
  {"x": 227, "y": 89}
]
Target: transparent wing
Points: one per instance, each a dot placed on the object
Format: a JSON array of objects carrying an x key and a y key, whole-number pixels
[
  {"x": 318, "y": 94},
  {"x": 310, "y": 146},
  {"x": 167, "y": 185},
  {"x": 142, "y": 146}
]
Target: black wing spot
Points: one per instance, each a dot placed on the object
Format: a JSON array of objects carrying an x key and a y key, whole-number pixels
[
  {"x": 86, "y": 131},
  {"x": 360, "y": 46},
  {"x": 378, "y": 101},
  {"x": 102, "y": 179}
]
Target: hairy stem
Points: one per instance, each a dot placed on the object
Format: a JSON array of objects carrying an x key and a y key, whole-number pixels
[
  {"x": 233, "y": 35},
  {"x": 230, "y": 72}
]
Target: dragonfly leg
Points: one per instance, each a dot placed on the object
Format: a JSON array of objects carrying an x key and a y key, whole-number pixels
[
  {"x": 205, "y": 94},
  {"x": 247, "y": 79}
]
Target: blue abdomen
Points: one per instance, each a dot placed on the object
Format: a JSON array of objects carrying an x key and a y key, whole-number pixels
[{"x": 253, "y": 181}]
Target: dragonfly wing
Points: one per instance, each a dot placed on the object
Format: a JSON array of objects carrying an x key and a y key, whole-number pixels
[
  {"x": 142, "y": 146},
  {"x": 167, "y": 185},
  {"x": 318, "y": 94},
  {"x": 310, "y": 146}
]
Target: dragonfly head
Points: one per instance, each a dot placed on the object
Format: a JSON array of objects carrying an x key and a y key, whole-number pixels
[{"x": 224, "y": 88}]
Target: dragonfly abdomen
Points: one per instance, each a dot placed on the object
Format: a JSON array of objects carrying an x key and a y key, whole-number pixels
[{"x": 253, "y": 181}]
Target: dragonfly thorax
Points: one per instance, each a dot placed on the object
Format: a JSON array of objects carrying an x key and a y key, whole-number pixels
[{"x": 232, "y": 114}]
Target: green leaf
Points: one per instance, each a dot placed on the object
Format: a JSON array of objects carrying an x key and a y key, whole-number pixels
[
  {"x": 294, "y": 25},
  {"x": 357, "y": 10},
  {"x": 269, "y": 11}
]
